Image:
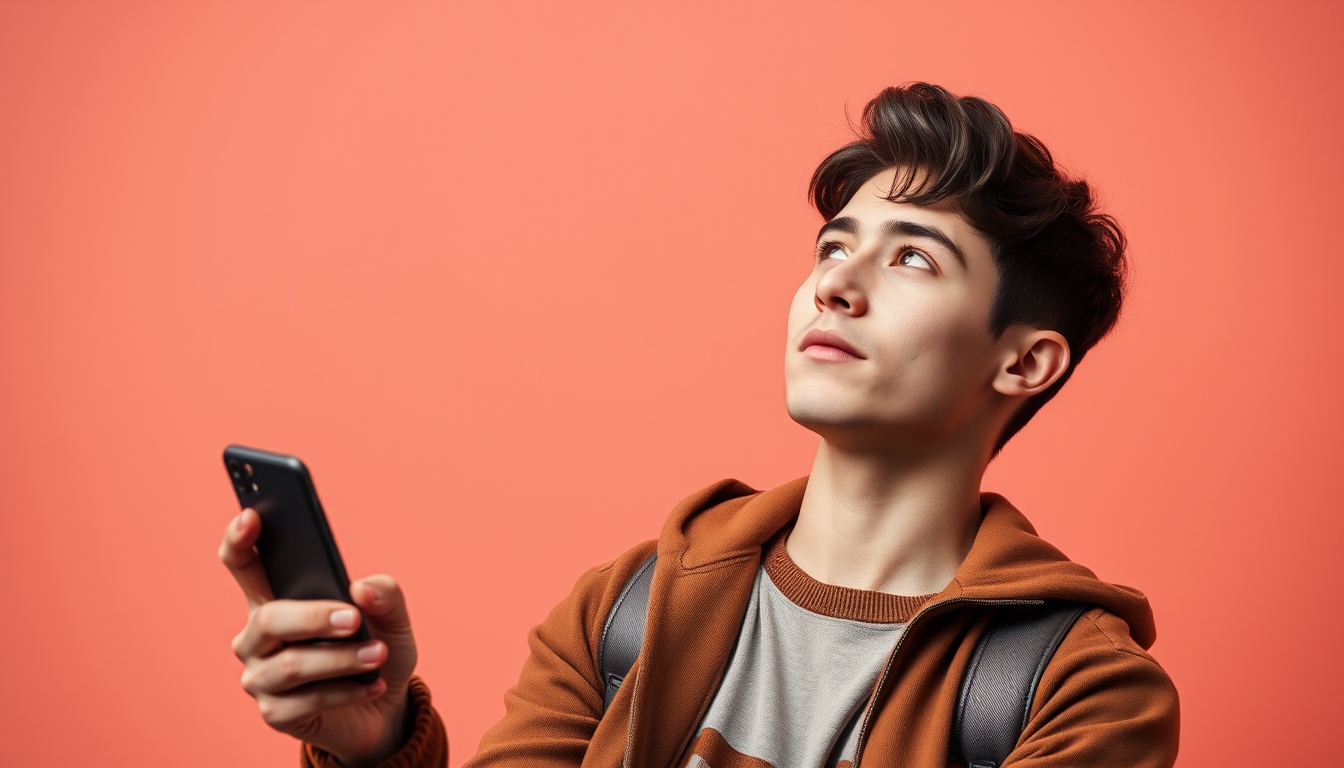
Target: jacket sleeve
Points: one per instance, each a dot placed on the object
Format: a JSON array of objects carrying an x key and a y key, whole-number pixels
[
  {"x": 1102, "y": 702},
  {"x": 426, "y": 748},
  {"x": 552, "y": 713}
]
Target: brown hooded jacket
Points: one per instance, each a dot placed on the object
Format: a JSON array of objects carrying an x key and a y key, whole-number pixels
[{"x": 1103, "y": 701}]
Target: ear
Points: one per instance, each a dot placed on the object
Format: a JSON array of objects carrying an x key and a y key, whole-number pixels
[{"x": 1032, "y": 360}]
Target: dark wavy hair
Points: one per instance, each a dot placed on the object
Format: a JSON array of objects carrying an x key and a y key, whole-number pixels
[{"x": 1060, "y": 261}]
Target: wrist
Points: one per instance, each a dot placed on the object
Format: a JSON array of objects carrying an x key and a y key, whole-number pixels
[
  {"x": 422, "y": 740},
  {"x": 400, "y": 724}
]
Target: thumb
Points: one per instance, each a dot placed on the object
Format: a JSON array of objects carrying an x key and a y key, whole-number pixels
[
  {"x": 381, "y": 601},
  {"x": 383, "y": 605}
]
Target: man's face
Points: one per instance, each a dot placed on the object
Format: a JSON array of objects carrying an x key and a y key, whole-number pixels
[{"x": 889, "y": 335}]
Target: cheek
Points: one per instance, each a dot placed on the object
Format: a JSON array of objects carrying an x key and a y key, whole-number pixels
[
  {"x": 803, "y": 307},
  {"x": 937, "y": 353},
  {"x": 963, "y": 355}
]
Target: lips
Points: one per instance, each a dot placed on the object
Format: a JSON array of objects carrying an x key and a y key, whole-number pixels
[{"x": 828, "y": 345}]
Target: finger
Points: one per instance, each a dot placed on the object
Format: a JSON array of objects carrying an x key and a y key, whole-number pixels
[
  {"x": 384, "y": 607},
  {"x": 300, "y": 665},
  {"x": 383, "y": 604},
  {"x": 289, "y": 711},
  {"x": 238, "y": 553},
  {"x": 278, "y": 622}
]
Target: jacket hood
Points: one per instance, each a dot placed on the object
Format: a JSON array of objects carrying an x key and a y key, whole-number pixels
[{"x": 729, "y": 520}]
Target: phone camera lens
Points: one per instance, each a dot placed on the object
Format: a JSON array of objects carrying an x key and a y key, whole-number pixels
[{"x": 235, "y": 471}]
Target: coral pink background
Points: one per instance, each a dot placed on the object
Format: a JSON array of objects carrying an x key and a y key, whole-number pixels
[{"x": 512, "y": 279}]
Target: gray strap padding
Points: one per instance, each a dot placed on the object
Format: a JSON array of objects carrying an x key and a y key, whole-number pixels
[
  {"x": 1000, "y": 683},
  {"x": 623, "y": 634}
]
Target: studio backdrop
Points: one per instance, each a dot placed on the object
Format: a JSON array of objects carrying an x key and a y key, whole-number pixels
[{"x": 512, "y": 279}]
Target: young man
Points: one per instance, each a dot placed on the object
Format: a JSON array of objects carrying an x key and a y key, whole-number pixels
[{"x": 960, "y": 277}]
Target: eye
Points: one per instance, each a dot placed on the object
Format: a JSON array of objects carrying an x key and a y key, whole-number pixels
[
  {"x": 831, "y": 251},
  {"x": 914, "y": 259}
]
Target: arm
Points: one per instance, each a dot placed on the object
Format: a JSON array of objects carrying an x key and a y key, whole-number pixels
[
  {"x": 553, "y": 712},
  {"x": 1102, "y": 702}
]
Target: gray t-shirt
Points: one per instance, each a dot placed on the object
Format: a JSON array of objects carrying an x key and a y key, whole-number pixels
[{"x": 801, "y": 673}]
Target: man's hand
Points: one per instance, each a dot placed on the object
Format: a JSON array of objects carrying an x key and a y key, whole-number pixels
[{"x": 358, "y": 724}]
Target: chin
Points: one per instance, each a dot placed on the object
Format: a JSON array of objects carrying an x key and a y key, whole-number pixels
[
  {"x": 845, "y": 418},
  {"x": 823, "y": 414}
]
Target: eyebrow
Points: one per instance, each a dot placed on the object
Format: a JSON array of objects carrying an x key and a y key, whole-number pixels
[{"x": 850, "y": 225}]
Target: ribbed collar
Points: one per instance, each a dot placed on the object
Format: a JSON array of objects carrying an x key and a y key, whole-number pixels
[
  {"x": 829, "y": 600},
  {"x": 729, "y": 522}
]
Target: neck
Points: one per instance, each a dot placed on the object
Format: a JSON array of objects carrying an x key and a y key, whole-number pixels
[{"x": 887, "y": 522}]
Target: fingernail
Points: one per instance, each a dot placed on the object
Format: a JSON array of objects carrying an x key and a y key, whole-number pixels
[
  {"x": 368, "y": 653},
  {"x": 238, "y": 523},
  {"x": 343, "y": 619},
  {"x": 376, "y": 689},
  {"x": 374, "y": 592}
]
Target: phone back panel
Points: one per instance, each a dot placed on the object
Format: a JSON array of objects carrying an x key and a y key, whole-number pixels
[{"x": 296, "y": 546}]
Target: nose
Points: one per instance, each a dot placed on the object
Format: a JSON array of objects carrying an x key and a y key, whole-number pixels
[{"x": 840, "y": 289}]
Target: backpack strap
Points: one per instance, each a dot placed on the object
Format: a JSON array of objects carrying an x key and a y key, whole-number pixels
[
  {"x": 993, "y": 703},
  {"x": 1000, "y": 683},
  {"x": 623, "y": 634}
]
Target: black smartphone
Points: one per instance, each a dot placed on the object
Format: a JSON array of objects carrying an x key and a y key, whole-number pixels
[{"x": 296, "y": 548}]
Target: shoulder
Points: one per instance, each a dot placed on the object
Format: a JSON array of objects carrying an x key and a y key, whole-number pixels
[
  {"x": 1099, "y": 649},
  {"x": 723, "y": 522},
  {"x": 1102, "y": 628},
  {"x": 579, "y": 617},
  {"x": 1099, "y": 654},
  {"x": 1103, "y": 698}
]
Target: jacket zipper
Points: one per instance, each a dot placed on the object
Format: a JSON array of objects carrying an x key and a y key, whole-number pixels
[
  {"x": 891, "y": 660},
  {"x": 704, "y": 707}
]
